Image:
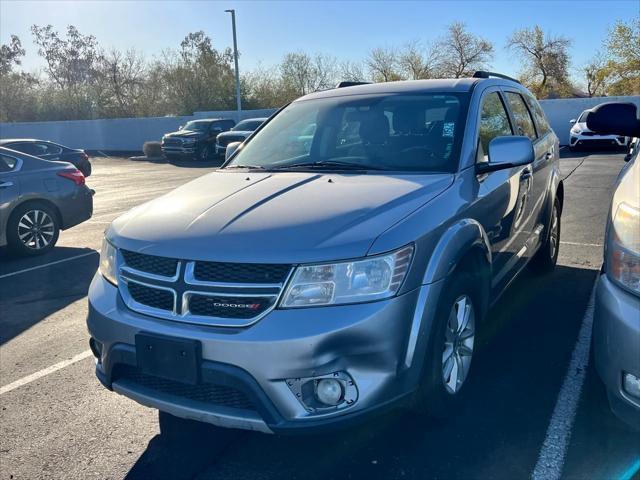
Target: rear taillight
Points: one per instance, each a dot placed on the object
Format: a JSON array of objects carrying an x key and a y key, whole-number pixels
[{"x": 75, "y": 176}]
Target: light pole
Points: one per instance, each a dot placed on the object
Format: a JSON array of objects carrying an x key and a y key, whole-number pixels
[{"x": 235, "y": 58}]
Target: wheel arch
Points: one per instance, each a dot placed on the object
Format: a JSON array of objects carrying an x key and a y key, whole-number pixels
[{"x": 37, "y": 201}]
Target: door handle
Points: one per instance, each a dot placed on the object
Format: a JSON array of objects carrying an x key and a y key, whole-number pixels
[
  {"x": 6, "y": 184},
  {"x": 526, "y": 173},
  {"x": 549, "y": 156}
]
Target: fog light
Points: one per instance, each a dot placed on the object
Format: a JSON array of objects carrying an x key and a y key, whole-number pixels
[
  {"x": 631, "y": 384},
  {"x": 329, "y": 391}
]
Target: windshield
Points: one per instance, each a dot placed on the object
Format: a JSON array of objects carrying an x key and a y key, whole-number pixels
[
  {"x": 380, "y": 132},
  {"x": 197, "y": 126},
  {"x": 583, "y": 116},
  {"x": 247, "y": 125}
]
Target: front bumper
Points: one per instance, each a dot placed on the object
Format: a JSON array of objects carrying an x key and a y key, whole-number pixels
[
  {"x": 616, "y": 343},
  {"x": 580, "y": 140},
  {"x": 380, "y": 345},
  {"x": 179, "y": 151}
]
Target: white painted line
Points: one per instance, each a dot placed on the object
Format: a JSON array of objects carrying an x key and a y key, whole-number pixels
[
  {"x": 582, "y": 244},
  {"x": 44, "y": 372},
  {"x": 7, "y": 275},
  {"x": 554, "y": 449}
]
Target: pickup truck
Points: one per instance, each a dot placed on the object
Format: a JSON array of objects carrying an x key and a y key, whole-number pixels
[{"x": 196, "y": 139}]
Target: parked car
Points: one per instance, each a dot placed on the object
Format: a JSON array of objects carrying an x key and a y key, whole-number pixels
[
  {"x": 50, "y": 151},
  {"x": 295, "y": 292},
  {"x": 616, "y": 327},
  {"x": 582, "y": 136},
  {"x": 239, "y": 133},
  {"x": 196, "y": 139},
  {"x": 38, "y": 198}
]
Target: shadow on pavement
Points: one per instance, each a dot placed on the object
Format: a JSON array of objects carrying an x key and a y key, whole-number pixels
[
  {"x": 30, "y": 296},
  {"x": 522, "y": 356},
  {"x": 190, "y": 163}
]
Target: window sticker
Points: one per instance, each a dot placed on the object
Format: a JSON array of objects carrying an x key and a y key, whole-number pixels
[{"x": 447, "y": 129}]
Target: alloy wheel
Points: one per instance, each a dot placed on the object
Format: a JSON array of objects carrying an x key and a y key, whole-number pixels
[
  {"x": 36, "y": 229},
  {"x": 458, "y": 344}
]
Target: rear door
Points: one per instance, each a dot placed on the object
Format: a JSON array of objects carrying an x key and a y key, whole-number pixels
[{"x": 540, "y": 171}]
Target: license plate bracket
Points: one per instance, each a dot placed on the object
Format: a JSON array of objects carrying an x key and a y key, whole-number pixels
[{"x": 171, "y": 358}]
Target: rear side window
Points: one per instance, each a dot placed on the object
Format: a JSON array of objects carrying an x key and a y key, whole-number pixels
[
  {"x": 50, "y": 148},
  {"x": 538, "y": 115},
  {"x": 7, "y": 163},
  {"x": 521, "y": 115},
  {"x": 494, "y": 121},
  {"x": 35, "y": 149}
]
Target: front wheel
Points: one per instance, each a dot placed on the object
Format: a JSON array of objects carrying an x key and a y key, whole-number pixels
[
  {"x": 547, "y": 255},
  {"x": 204, "y": 153},
  {"x": 450, "y": 349}
]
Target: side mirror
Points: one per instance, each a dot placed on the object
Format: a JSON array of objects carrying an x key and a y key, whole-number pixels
[
  {"x": 231, "y": 149},
  {"x": 572, "y": 121},
  {"x": 615, "y": 119},
  {"x": 180, "y": 127},
  {"x": 506, "y": 152}
]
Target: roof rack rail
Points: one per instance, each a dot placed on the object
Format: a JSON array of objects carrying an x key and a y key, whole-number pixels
[
  {"x": 483, "y": 74},
  {"x": 351, "y": 84}
]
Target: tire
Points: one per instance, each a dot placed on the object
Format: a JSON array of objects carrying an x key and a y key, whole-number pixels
[
  {"x": 547, "y": 255},
  {"x": 204, "y": 153},
  {"x": 23, "y": 239},
  {"x": 439, "y": 395},
  {"x": 174, "y": 429}
]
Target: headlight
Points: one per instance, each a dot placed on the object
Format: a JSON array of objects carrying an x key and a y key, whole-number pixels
[
  {"x": 108, "y": 268},
  {"x": 623, "y": 265},
  {"x": 576, "y": 130},
  {"x": 356, "y": 281}
]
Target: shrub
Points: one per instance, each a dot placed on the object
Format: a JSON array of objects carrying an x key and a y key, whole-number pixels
[{"x": 152, "y": 149}]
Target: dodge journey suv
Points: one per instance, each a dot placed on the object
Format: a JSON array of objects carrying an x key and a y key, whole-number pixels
[{"x": 340, "y": 262}]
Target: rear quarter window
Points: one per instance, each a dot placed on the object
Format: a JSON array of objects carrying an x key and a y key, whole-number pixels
[
  {"x": 538, "y": 115},
  {"x": 7, "y": 163},
  {"x": 521, "y": 115}
]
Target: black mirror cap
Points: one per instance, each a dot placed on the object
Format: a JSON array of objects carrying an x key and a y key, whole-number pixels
[
  {"x": 506, "y": 152},
  {"x": 615, "y": 118}
]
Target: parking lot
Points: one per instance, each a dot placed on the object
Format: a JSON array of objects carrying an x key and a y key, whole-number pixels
[{"x": 57, "y": 421}]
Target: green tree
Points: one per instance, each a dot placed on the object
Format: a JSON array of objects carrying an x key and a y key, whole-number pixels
[
  {"x": 623, "y": 50},
  {"x": 10, "y": 55}
]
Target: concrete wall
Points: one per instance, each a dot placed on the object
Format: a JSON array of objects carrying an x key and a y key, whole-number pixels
[
  {"x": 124, "y": 134},
  {"x": 129, "y": 134},
  {"x": 560, "y": 111}
]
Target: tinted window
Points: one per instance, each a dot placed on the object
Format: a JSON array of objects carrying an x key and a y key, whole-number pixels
[
  {"x": 197, "y": 126},
  {"x": 387, "y": 132},
  {"x": 538, "y": 115},
  {"x": 50, "y": 148},
  {"x": 247, "y": 125},
  {"x": 494, "y": 121},
  {"x": 521, "y": 115},
  {"x": 36, "y": 149},
  {"x": 7, "y": 163}
]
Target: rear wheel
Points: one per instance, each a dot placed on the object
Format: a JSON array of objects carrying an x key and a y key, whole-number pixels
[
  {"x": 450, "y": 350},
  {"x": 33, "y": 229},
  {"x": 547, "y": 255}
]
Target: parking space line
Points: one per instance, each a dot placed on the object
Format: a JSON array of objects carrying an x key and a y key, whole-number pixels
[
  {"x": 583, "y": 244},
  {"x": 554, "y": 449},
  {"x": 44, "y": 265},
  {"x": 45, "y": 371}
]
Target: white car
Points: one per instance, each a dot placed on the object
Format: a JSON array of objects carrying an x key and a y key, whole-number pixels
[{"x": 581, "y": 136}]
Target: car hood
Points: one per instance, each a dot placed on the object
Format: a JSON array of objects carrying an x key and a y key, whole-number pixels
[
  {"x": 284, "y": 217},
  {"x": 232, "y": 133},
  {"x": 184, "y": 134}
]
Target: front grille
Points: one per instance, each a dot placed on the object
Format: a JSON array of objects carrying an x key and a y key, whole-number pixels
[
  {"x": 240, "y": 272},
  {"x": 588, "y": 134},
  {"x": 209, "y": 393},
  {"x": 153, "y": 264},
  {"x": 172, "y": 142},
  {"x": 151, "y": 297},
  {"x": 228, "y": 307},
  {"x": 227, "y": 139}
]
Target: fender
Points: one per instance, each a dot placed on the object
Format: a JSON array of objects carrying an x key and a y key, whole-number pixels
[{"x": 453, "y": 245}]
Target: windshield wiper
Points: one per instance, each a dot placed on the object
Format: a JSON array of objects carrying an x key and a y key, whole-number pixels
[
  {"x": 252, "y": 167},
  {"x": 328, "y": 165}
]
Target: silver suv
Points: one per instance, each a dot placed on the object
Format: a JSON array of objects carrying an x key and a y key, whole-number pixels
[{"x": 341, "y": 261}]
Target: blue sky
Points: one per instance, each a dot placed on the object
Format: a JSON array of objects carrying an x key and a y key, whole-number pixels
[{"x": 347, "y": 30}]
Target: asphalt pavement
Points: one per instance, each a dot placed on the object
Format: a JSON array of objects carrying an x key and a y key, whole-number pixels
[{"x": 57, "y": 421}]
